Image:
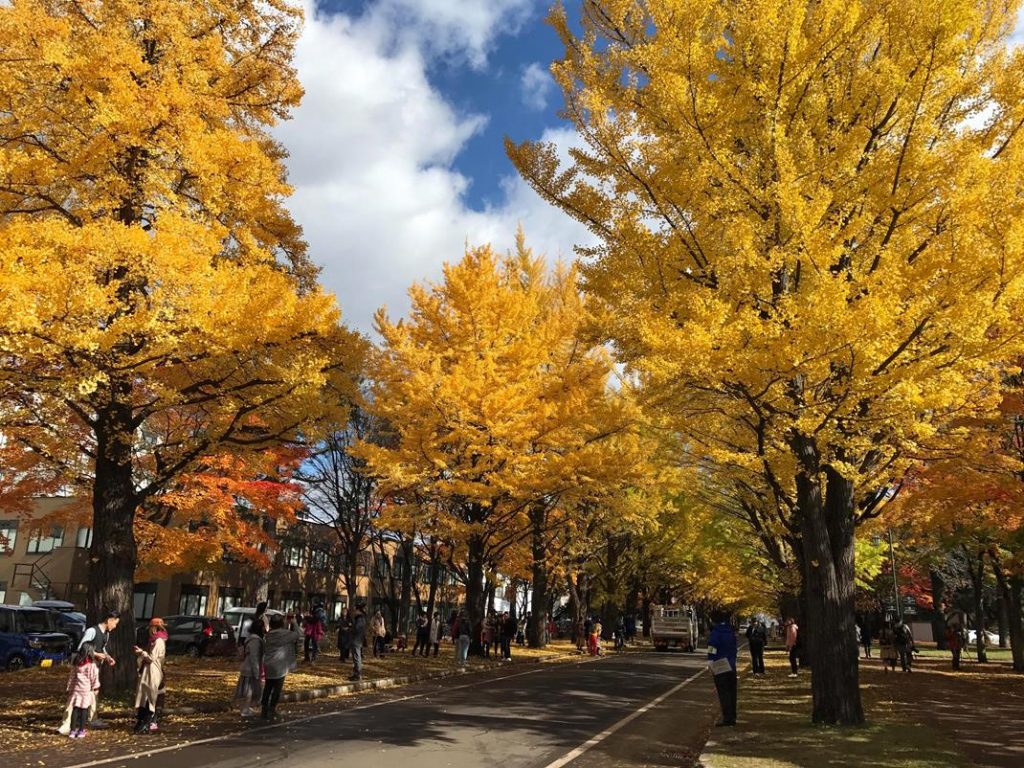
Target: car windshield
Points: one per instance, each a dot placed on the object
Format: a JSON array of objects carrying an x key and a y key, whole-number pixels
[{"x": 35, "y": 621}]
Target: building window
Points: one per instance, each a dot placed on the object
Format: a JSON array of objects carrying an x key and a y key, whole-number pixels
[
  {"x": 318, "y": 559},
  {"x": 291, "y": 602},
  {"x": 144, "y": 600},
  {"x": 39, "y": 543},
  {"x": 83, "y": 539},
  {"x": 192, "y": 601},
  {"x": 8, "y": 535},
  {"x": 294, "y": 555},
  {"x": 228, "y": 597}
]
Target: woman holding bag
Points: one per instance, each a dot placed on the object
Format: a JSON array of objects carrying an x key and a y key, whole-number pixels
[{"x": 151, "y": 675}]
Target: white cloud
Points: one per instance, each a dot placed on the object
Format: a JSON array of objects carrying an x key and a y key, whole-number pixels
[
  {"x": 536, "y": 84},
  {"x": 372, "y": 150}
]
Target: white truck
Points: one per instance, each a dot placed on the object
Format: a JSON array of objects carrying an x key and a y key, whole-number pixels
[{"x": 673, "y": 626}]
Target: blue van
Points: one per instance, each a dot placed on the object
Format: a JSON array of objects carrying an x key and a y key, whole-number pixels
[{"x": 30, "y": 636}]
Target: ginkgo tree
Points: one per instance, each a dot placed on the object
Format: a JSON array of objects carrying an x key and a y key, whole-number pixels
[
  {"x": 157, "y": 307},
  {"x": 496, "y": 408},
  {"x": 811, "y": 242}
]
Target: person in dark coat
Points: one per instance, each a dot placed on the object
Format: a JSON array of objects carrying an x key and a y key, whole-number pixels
[
  {"x": 345, "y": 636},
  {"x": 757, "y": 637},
  {"x": 358, "y": 641},
  {"x": 722, "y": 656}
]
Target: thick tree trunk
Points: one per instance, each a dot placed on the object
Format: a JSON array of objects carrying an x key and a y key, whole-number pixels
[
  {"x": 475, "y": 587},
  {"x": 535, "y": 634},
  {"x": 938, "y": 619},
  {"x": 827, "y": 532},
  {"x": 1016, "y": 588},
  {"x": 113, "y": 553}
]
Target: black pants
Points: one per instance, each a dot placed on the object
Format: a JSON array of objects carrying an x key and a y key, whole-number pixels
[
  {"x": 143, "y": 717},
  {"x": 312, "y": 649},
  {"x": 757, "y": 658},
  {"x": 725, "y": 685},
  {"x": 378, "y": 646},
  {"x": 793, "y": 655},
  {"x": 956, "y": 658},
  {"x": 271, "y": 695},
  {"x": 421, "y": 645},
  {"x": 906, "y": 657},
  {"x": 437, "y": 648},
  {"x": 506, "y": 647},
  {"x": 79, "y": 718}
]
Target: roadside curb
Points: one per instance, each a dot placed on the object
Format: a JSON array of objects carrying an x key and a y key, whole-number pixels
[{"x": 310, "y": 694}]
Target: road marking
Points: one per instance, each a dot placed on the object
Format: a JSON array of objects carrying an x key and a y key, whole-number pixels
[
  {"x": 311, "y": 718},
  {"x": 568, "y": 758}
]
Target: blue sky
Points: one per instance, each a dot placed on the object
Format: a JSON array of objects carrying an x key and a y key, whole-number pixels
[{"x": 396, "y": 151}]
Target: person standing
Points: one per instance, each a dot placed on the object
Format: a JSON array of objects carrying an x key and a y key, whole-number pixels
[
  {"x": 436, "y": 630},
  {"x": 151, "y": 675},
  {"x": 83, "y": 682},
  {"x": 954, "y": 645},
  {"x": 345, "y": 636},
  {"x": 487, "y": 635},
  {"x": 249, "y": 689},
  {"x": 378, "y": 631},
  {"x": 313, "y": 629},
  {"x": 865, "y": 638},
  {"x": 97, "y": 636},
  {"x": 904, "y": 640},
  {"x": 358, "y": 641},
  {"x": 508, "y": 633},
  {"x": 463, "y": 628},
  {"x": 278, "y": 660},
  {"x": 722, "y": 660},
  {"x": 792, "y": 634},
  {"x": 757, "y": 636},
  {"x": 422, "y": 635},
  {"x": 887, "y": 646}
]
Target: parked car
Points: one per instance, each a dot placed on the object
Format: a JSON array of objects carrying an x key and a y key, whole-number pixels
[
  {"x": 194, "y": 636},
  {"x": 236, "y": 617},
  {"x": 991, "y": 638},
  {"x": 30, "y": 636}
]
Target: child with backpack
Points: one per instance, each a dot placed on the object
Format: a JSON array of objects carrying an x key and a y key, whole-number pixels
[{"x": 83, "y": 683}]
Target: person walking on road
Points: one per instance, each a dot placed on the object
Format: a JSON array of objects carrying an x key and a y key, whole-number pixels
[
  {"x": 83, "y": 682},
  {"x": 278, "y": 661},
  {"x": 722, "y": 660},
  {"x": 792, "y": 646},
  {"x": 358, "y": 641},
  {"x": 249, "y": 689},
  {"x": 151, "y": 676},
  {"x": 757, "y": 637}
]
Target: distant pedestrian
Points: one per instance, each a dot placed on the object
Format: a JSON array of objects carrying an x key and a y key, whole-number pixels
[
  {"x": 422, "y": 635},
  {"x": 151, "y": 676},
  {"x": 792, "y": 632},
  {"x": 378, "y": 631},
  {"x": 887, "y": 646},
  {"x": 508, "y": 634},
  {"x": 83, "y": 683},
  {"x": 249, "y": 689},
  {"x": 757, "y": 638},
  {"x": 487, "y": 635},
  {"x": 313, "y": 629},
  {"x": 722, "y": 658},
  {"x": 260, "y": 615},
  {"x": 358, "y": 641},
  {"x": 865, "y": 639},
  {"x": 595, "y": 637},
  {"x": 905, "y": 648},
  {"x": 436, "y": 630},
  {"x": 953, "y": 642},
  {"x": 463, "y": 628},
  {"x": 345, "y": 636},
  {"x": 278, "y": 660}
]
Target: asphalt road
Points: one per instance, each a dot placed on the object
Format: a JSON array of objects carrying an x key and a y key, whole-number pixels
[{"x": 635, "y": 710}]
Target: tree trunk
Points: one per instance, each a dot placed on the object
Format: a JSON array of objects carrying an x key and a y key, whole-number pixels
[
  {"x": 938, "y": 619},
  {"x": 645, "y": 615},
  {"x": 435, "y": 568},
  {"x": 538, "y": 613},
  {"x": 406, "y": 595},
  {"x": 827, "y": 532},
  {"x": 1003, "y": 604},
  {"x": 113, "y": 553},
  {"x": 976, "y": 568},
  {"x": 475, "y": 588},
  {"x": 1016, "y": 588}
]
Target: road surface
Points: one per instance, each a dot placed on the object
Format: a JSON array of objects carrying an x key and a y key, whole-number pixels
[{"x": 640, "y": 709}]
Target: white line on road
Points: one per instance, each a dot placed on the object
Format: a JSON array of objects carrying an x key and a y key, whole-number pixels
[
  {"x": 310, "y": 718},
  {"x": 568, "y": 758}
]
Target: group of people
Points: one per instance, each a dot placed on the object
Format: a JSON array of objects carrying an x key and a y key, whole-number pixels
[{"x": 84, "y": 678}]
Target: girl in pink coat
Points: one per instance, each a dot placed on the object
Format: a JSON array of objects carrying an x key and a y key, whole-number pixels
[{"x": 83, "y": 683}]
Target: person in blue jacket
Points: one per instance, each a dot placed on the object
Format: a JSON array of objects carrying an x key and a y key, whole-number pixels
[{"x": 722, "y": 655}]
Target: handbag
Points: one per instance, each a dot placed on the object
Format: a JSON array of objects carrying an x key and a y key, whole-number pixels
[{"x": 720, "y": 666}]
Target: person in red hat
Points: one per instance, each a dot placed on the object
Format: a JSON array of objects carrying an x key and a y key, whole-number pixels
[{"x": 151, "y": 676}]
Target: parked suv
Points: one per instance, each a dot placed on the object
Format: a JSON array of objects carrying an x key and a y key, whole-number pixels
[
  {"x": 195, "y": 636},
  {"x": 30, "y": 636},
  {"x": 69, "y": 621}
]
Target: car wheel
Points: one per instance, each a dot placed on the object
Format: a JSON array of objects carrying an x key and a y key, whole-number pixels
[{"x": 15, "y": 663}]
